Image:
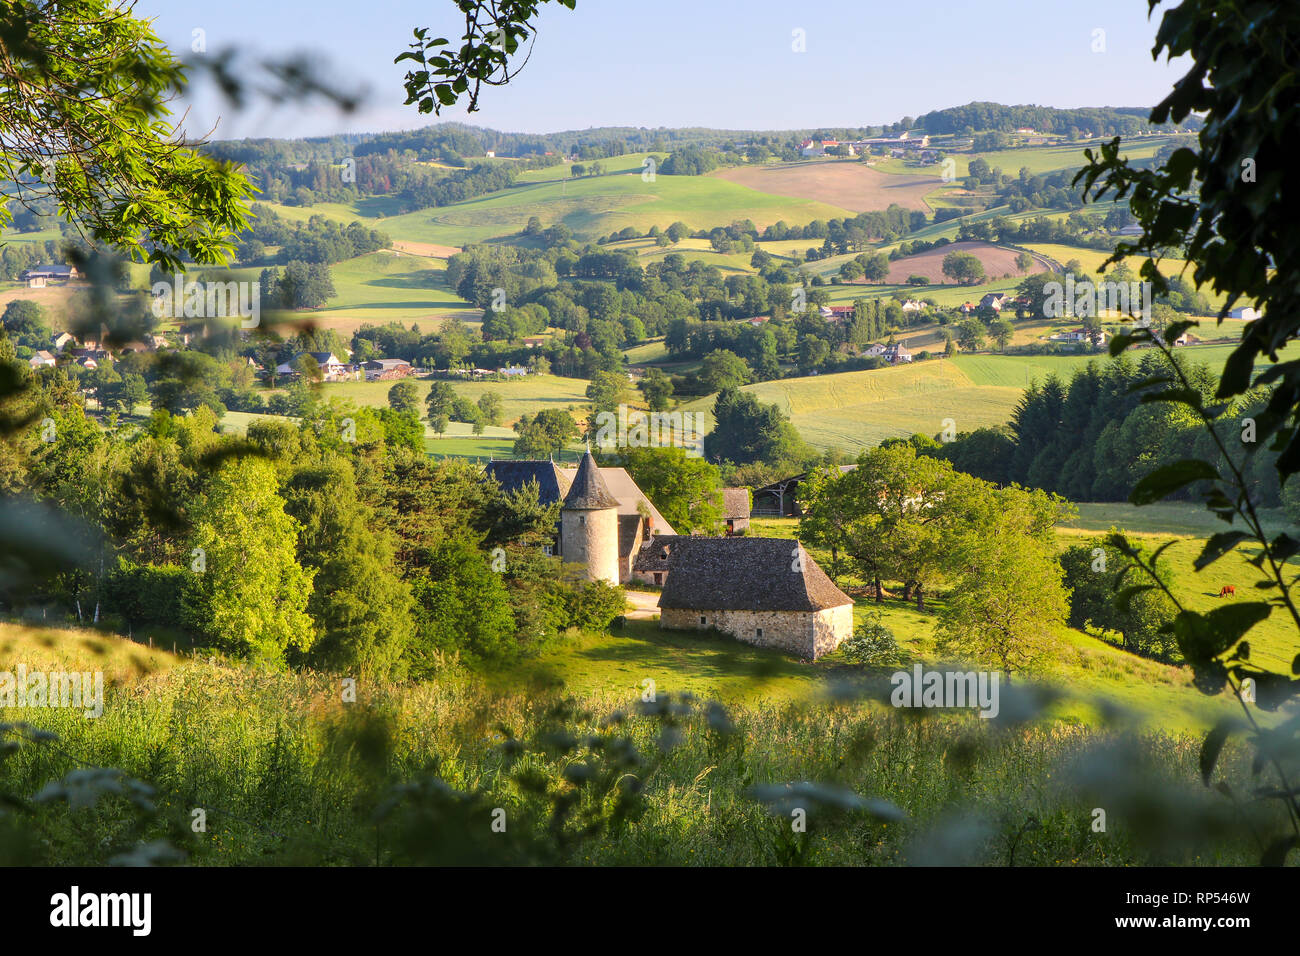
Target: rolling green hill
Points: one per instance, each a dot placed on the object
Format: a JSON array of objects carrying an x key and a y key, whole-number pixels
[
  {"x": 856, "y": 410},
  {"x": 590, "y": 206},
  {"x": 390, "y": 286}
]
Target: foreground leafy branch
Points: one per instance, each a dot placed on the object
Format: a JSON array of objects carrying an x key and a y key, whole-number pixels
[{"x": 494, "y": 32}]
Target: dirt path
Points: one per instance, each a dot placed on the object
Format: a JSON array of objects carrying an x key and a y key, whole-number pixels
[
  {"x": 644, "y": 605},
  {"x": 429, "y": 250}
]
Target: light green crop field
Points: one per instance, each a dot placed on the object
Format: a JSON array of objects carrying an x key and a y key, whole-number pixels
[
  {"x": 692, "y": 249},
  {"x": 947, "y": 296},
  {"x": 856, "y": 410},
  {"x": 652, "y": 351},
  {"x": 530, "y": 394},
  {"x": 785, "y": 248},
  {"x": 1019, "y": 370},
  {"x": 389, "y": 286},
  {"x": 459, "y": 440},
  {"x": 949, "y": 228},
  {"x": 383, "y": 286},
  {"x": 477, "y": 448},
  {"x": 612, "y": 166},
  {"x": 41, "y": 235},
  {"x": 1039, "y": 160},
  {"x": 1092, "y": 259},
  {"x": 598, "y": 205}
]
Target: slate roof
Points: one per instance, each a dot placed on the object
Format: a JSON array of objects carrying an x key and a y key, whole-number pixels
[
  {"x": 588, "y": 491},
  {"x": 552, "y": 483},
  {"x": 52, "y": 271},
  {"x": 627, "y": 531},
  {"x": 746, "y": 574},
  {"x": 795, "y": 479},
  {"x": 655, "y": 554},
  {"x": 631, "y": 499},
  {"x": 735, "y": 502}
]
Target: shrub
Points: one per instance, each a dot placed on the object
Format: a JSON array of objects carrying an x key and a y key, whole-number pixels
[
  {"x": 592, "y": 605},
  {"x": 872, "y": 645},
  {"x": 145, "y": 594}
]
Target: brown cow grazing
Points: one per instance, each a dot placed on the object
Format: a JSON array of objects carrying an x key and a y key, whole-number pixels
[{"x": 1226, "y": 590}]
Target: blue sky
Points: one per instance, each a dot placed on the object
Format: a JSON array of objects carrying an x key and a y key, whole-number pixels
[{"x": 717, "y": 63}]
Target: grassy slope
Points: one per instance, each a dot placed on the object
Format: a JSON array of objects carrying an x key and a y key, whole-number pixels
[
  {"x": 1092, "y": 259},
  {"x": 1089, "y": 666},
  {"x": 387, "y": 286},
  {"x": 50, "y": 649},
  {"x": 590, "y": 206},
  {"x": 855, "y": 410},
  {"x": 614, "y": 666},
  {"x": 529, "y": 394},
  {"x": 617, "y": 664}
]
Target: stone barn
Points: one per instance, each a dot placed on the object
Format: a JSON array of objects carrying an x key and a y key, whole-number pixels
[
  {"x": 764, "y": 591},
  {"x": 735, "y": 508}
]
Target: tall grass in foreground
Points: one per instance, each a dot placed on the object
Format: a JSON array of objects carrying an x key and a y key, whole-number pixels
[{"x": 287, "y": 773}]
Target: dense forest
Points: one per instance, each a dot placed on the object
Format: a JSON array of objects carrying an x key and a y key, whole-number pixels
[
  {"x": 355, "y": 551},
  {"x": 1104, "y": 121},
  {"x": 1092, "y": 438}
]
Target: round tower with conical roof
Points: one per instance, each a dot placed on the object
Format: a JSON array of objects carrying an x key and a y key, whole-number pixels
[{"x": 589, "y": 524}]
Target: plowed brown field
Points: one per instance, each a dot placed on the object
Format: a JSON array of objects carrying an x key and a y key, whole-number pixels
[{"x": 849, "y": 185}]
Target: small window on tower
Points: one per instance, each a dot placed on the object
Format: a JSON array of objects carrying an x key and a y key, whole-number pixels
[
  {"x": 758, "y": 631},
  {"x": 582, "y": 519},
  {"x": 704, "y": 621}
]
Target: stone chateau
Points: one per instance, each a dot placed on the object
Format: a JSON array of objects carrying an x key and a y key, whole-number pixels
[{"x": 764, "y": 591}]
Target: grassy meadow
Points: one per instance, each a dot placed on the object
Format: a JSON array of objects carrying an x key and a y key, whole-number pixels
[
  {"x": 389, "y": 286},
  {"x": 590, "y": 206},
  {"x": 286, "y": 772},
  {"x": 1157, "y": 695}
]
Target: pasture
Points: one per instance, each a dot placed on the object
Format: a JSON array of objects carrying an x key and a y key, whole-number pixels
[
  {"x": 598, "y": 205},
  {"x": 1091, "y": 665},
  {"x": 857, "y": 410},
  {"x": 613, "y": 166},
  {"x": 529, "y": 393},
  {"x": 998, "y": 261},
  {"x": 288, "y": 773},
  {"x": 389, "y": 286}
]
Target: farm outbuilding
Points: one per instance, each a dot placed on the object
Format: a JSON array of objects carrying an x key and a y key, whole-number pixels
[{"x": 768, "y": 592}]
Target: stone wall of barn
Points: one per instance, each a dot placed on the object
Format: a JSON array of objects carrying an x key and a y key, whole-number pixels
[
  {"x": 830, "y": 627},
  {"x": 805, "y": 634}
]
